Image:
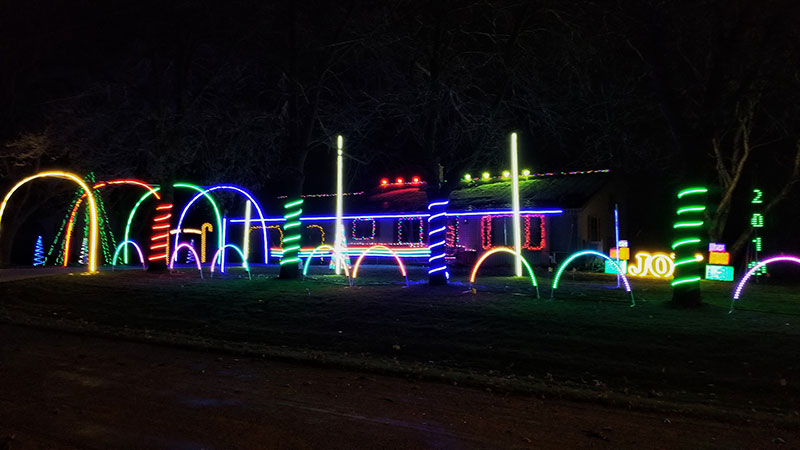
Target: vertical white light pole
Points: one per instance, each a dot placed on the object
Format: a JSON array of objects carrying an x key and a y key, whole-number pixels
[
  {"x": 339, "y": 244},
  {"x": 224, "y": 243},
  {"x": 515, "y": 205},
  {"x": 246, "y": 241}
]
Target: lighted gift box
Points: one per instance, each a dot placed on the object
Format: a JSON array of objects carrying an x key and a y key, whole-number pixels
[
  {"x": 719, "y": 258},
  {"x": 624, "y": 254},
  {"x": 719, "y": 273}
]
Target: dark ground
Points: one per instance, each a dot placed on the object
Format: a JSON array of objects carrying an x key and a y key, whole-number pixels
[
  {"x": 64, "y": 391},
  {"x": 561, "y": 370}
]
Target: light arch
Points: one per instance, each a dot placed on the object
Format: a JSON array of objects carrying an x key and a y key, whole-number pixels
[
  {"x": 375, "y": 247},
  {"x": 218, "y": 255},
  {"x": 122, "y": 245},
  {"x": 576, "y": 255},
  {"x": 228, "y": 187},
  {"x": 175, "y": 185},
  {"x": 313, "y": 252},
  {"x": 483, "y": 257},
  {"x": 192, "y": 250},
  {"x": 93, "y": 224},
  {"x": 102, "y": 184},
  {"x": 743, "y": 281}
]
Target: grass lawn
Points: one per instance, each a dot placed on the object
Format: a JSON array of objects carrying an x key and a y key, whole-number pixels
[{"x": 586, "y": 343}]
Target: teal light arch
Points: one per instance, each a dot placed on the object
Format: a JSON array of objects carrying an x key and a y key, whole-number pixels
[
  {"x": 576, "y": 255},
  {"x": 218, "y": 255},
  {"x": 125, "y": 244},
  {"x": 176, "y": 185}
]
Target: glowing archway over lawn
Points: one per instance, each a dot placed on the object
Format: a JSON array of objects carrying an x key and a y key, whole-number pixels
[
  {"x": 740, "y": 285},
  {"x": 516, "y": 255},
  {"x": 222, "y": 264},
  {"x": 228, "y": 188},
  {"x": 93, "y": 219},
  {"x": 576, "y": 255},
  {"x": 332, "y": 253},
  {"x": 120, "y": 246},
  {"x": 102, "y": 184},
  {"x": 192, "y": 250},
  {"x": 396, "y": 258},
  {"x": 154, "y": 192}
]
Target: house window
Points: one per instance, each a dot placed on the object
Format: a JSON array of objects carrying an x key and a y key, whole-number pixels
[
  {"x": 498, "y": 231},
  {"x": 363, "y": 229},
  {"x": 410, "y": 230}
]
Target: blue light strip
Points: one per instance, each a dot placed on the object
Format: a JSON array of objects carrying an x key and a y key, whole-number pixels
[
  {"x": 401, "y": 215},
  {"x": 436, "y": 241},
  {"x": 421, "y": 252}
]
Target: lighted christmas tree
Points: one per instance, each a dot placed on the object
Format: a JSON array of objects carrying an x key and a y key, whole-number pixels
[
  {"x": 38, "y": 253},
  {"x": 84, "y": 251},
  {"x": 190, "y": 255}
]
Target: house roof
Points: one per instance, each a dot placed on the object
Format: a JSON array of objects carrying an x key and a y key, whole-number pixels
[{"x": 551, "y": 191}]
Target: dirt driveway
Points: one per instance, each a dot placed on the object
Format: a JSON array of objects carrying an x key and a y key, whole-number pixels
[{"x": 64, "y": 391}]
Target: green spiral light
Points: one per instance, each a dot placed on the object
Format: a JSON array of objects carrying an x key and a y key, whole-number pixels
[
  {"x": 687, "y": 229},
  {"x": 291, "y": 228}
]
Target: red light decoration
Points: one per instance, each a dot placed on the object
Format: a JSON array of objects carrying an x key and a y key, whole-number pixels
[
  {"x": 486, "y": 232},
  {"x": 384, "y": 181},
  {"x": 399, "y": 180},
  {"x": 159, "y": 242},
  {"x": 415, "y": 180}
]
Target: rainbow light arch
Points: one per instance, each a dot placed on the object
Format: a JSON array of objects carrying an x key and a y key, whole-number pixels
[
  {"x": 332, "y": 253},
  {"x": 222, "y": 264},
  {"x": 71, "y": 221},
  {"x": 93, "y": 224},
  {"x": 227, "y": 187},
  {"x": 191, "y": 249},
  {"x": 516, "y": 255},
  {"x": 176, "y": 185},
  {"x": 120, "y": 246},
  {"x": 576, "y": 255},
  {"x": 737, "y": 292},
  {"x": 392, "y": 252}
]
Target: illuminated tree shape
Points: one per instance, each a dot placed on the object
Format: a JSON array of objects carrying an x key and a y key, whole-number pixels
[
  {"x": 191, "y": 257},
  {"x": 331, "y": 253},
  {"x": 38, "y": 252},
  {"x": 740, "y": 285},
  {"x": 84, "y": 249},
  {"x": 93, "y": 219},
  {"x": 222, "y": 266},
  {"x": 176, "y": 185},
  {"x": 192, "y": 252},
  {"x": 226, "y": 188},
  {"x": 594, "y": 253},
  {"x": 396, "y": 258},
  {"x": 123, "y": 244},
  {"x": 102, "y": 184},
  {"x": 483, "y": 257}
]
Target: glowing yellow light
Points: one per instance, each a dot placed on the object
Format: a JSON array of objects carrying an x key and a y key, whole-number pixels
[
  {"x": 467, "y": 177},
  {"x": 206, "y": 227},
  {"x": 93, "y": 222},
  {"x": 526, "y": 173},
  {"x": 506, "y": 174},
  {"x": 658, "y": 265},
  {"x": 486, "y": 175}
]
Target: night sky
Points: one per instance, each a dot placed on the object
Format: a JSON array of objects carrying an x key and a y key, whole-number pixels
[{"x": 254, "y": 93}]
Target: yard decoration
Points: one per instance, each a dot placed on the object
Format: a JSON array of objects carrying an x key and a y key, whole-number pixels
[
  {"x": 38, "y": 253},
  {"x": 757, "y": 222},
  {"x": 331, "y": 253},
  {"x": 515, "y": 206},
  {"x": 737, "y": 292},
  {"x": 293, "y": 210},
  {"x": 576, "y": 255},
  {"x": 93, "y": 216},
  {"x": 688, "y": 226},
  {"x": 192, "y": 252},
  {"x": 246, "y": 220},
  {"x": 437, "y": 219},
  {"x": 516, "y": 255},
  {"x": 159, "y": 241},
  {"x": 122, "y": 245},
  {"x": 658, "y": 265},
  {"x": 396, "y": 258},
  {"x": 218, "y": 256}
]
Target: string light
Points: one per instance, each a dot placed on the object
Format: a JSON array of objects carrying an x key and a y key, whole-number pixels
[
  {"x": 516, "y": 255},
  {"x": 685, "y": 269},
  {"x": 486, "y": 231},
  {"x": 159, "y": 242},
  {"x": 293, "y": 210},
  {"x": 396, "y": 258},
  {"x": 437, "y": 219},
  {"x": 355, "y": 226},
  {"x": 576, "y": 255},
  {"x": 93, "y": 221},
  {"x": 124, "y": 244}
]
